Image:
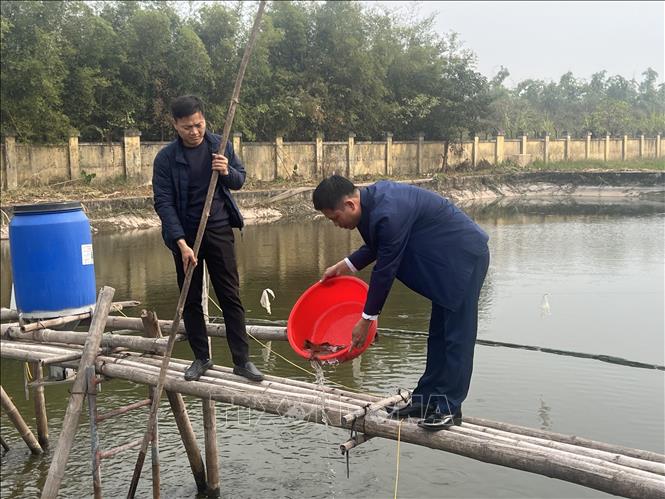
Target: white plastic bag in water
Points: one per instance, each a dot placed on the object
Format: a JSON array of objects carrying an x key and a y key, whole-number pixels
[{"x": 265, "y": 299}]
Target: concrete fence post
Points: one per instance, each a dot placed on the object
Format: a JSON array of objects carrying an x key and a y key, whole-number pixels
[
  {"x": 546, "y": 147},
  {"x": 523, "y": 139},
  {"x": 566, "y": 147},
  {"x": 389, "y": 153},
  {"x": 606, "y": 152},
  {"x": 421, "y": 144},
  {"x": 237, "y": 143},
  {"x": 587, "y": 146},
  {"x": 319, "y": 155},
  {"x": 658, "y": 149},
  {"x": 73, "y": 154},
  {"x": 474, "y": 151},
  {"x": 11, "y": 160},
  {"x": 624, "y": 148},
  {"x": 279, "y": 155},
  {"x": 132, "y": 153},
  {"x": 498, "y": 148},
  {"x": 641, "y": 146},
  {"x": 351, "y": 155}
]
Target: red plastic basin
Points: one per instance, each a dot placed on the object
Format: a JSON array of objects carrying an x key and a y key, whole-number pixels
[{"x": 326, "y": 313}]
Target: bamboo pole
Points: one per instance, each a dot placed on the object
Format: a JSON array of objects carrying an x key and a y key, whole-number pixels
[
  {"x": 151, "y": 326},
  {"x": 289, "y": 382},
  {"x": 7, "y": 314},
  {"x": 70, "y": 423},
  {"x": 307, "y": 395},
  {"x": 482, "y": 446},
  {"x": 631, "y": 462},
  {"x": 4, "y": 444},
  {"x": 381, "y": 404},
  {"x": 570, "y": 439},
  {"x": 40, "y": 405},
  {"x": 210, "y": 433},
  {"x": 91, "y": 389},
  {"x": 189, "y": 271},
  {"x": 66, "y": 319},
  {"x": 80, "y": 338},
  {"x": 483, "y": 449},
  {"x": 19, "y": 423},
  {"x": 266, "y": 333}
]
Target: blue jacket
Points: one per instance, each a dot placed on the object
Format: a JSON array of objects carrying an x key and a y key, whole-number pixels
[
  {"x": 420, "y": 238},
  {"x": 170, "y": 182}
]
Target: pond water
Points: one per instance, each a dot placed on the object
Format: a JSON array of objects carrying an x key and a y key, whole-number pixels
[{"x": 599, "y": 263}]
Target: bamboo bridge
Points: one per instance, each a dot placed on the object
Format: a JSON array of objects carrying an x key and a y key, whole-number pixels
[{"x": 97, "y": 355}]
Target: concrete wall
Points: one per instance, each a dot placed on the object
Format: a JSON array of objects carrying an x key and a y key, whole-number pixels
[{"x": 23, "y": 164}]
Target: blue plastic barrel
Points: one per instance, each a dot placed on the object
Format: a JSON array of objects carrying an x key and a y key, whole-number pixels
[{"x": 52, "y": 261}]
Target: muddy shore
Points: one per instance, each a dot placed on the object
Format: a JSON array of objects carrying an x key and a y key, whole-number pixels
[{"x": 271, "y": 205}]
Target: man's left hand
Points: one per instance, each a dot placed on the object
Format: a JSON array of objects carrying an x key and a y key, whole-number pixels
[
  {"x": 359, "y": 334},
  {"x": 220, "y": 163}
]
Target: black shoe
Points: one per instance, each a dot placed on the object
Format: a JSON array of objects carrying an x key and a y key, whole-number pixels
[
  {"x": 198, "y": 367},
  {"x": 249, "y": 371},
  {"x": 440, "y": 421},
  {"x": 412, "y": 409}
]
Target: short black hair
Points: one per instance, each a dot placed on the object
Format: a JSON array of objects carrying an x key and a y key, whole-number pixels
[
  {"x": 186, "y": 105},
  {"x": 330, "y": 192}
]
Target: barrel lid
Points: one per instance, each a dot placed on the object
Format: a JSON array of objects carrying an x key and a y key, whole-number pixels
[{"x": 48, "y": 207}]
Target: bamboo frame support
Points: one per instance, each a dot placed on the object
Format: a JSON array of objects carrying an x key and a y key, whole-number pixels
[
  {"x": 123, "y": 410},
  {"x": 41, "y": 418},
  {"x": 212, "y": 456},
  {"x": 374, "y": 407},
  {"x": 73, "y": 412},
  {"x": 91, "y": 389},
  {"x": 19, "y": 423},
  {"x": 80, "y": 338},
  {"x": 151, "y": 326},
  {"x": 266, "y": 333},
  {"x": 360, "y": 438},
  {"x": 66, "y": 319}
]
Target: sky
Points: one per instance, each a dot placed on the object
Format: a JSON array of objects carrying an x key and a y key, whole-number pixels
[{"x": 544, "y": 40}]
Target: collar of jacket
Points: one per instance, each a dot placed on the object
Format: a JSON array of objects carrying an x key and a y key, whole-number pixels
[{"x": 213, "y": 141}]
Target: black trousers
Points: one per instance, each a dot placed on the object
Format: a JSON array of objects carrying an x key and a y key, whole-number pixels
[{"x": 218, "y": 252}]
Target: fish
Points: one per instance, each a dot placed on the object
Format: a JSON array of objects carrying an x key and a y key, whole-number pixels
[{"x": 316, "y": 349}]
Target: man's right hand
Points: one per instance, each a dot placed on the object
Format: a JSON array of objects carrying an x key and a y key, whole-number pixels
[
  {"x": 340, "y": 268},
  {"x": 187, "y": 254}
]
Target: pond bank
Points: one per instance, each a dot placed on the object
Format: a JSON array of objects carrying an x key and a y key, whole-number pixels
[{"x": 270, "y": 205}]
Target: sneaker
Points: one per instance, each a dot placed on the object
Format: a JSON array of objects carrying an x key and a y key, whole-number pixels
[
  {"x": 440, "y": 421},
  {"x": 198, "y": 367},
  {"x": 249, "y": 371}
]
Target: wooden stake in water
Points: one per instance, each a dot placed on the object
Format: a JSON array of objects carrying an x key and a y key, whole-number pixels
[{"x": 189, "y": 271}]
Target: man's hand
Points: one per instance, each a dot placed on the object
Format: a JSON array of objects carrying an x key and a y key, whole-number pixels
[
  {"x": 220, "y": 163},
  {"x": 360, "y": 332},
  {"x": 340, "y": 268},
  {"x": 187, "y": 254}
]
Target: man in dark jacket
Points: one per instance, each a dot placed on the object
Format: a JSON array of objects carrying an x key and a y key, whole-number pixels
[
  {"x": 181, "y": 176},
  {"x": 435, "y": 249}
]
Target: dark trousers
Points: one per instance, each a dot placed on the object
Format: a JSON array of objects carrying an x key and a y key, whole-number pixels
[
  {"x": 450, "y": 346},
  {"x": 218, "y": 252}
]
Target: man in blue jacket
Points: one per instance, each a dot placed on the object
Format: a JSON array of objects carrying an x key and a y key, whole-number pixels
[
  {"x": 181, "y": 176},
  {"x": 435, "y": 249}
]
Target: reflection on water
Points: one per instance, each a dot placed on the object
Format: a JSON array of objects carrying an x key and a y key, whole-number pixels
[{"x": 600, "y": 266}]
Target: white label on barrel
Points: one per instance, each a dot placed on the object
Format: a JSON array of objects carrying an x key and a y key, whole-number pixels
[{"x": 86, "y": 254}]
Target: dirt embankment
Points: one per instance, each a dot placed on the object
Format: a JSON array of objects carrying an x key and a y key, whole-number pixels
[{"x": 134, "y": 211}]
